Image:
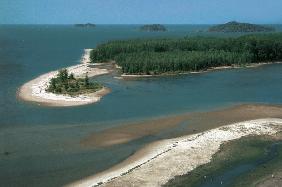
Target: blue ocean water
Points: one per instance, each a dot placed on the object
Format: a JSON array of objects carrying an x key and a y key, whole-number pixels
[{"x": 43, "y": 142}]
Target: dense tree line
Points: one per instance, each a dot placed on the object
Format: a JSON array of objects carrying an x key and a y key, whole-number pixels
[
  {"x": 178, "y": 61},
  {"x": 197, "y": 53}
]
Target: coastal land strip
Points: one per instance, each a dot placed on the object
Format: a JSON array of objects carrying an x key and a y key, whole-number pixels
[
  {"x": 252, "y": 161},
  {"x": 211, "y": 69},
  {"x": 197, "y": 122},
  {"x": 161, "y": 161}
]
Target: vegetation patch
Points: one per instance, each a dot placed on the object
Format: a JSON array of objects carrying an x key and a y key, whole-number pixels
[
  {"x": 158, "y": 56},
  {"x": 66, "y": 83}
]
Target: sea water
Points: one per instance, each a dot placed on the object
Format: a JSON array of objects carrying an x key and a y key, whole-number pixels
[{"x": 39, "y": 146}]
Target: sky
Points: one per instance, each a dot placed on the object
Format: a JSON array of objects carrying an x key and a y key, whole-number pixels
[{"x": 139, "y": 11}]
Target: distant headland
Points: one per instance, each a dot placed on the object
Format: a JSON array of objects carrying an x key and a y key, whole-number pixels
[
  {"x": 85, "y": 25},
  {"x": 153, "y": 28},
  {"x": 234, "y": 26}
]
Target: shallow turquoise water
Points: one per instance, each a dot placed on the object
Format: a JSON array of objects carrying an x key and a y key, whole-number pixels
[{"x": 44, "y": 142}]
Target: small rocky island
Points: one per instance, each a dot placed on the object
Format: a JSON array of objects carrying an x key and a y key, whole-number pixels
[
  {"x": 234, "y": 26},
  {"x": 66, "y": 83},
  {"x": 87, "y": 25},
  {"x": 153, "y": 28}
]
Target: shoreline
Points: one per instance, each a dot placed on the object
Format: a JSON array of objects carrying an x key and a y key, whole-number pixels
[
  {"x": 35, "y": 90},
  {"x": 253, "y": 65},
  {"x": 259, "y": 153},
  {"x": 148, "y": 166}
]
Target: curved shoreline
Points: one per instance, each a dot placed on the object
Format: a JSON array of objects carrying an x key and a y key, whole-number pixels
[
  {"x": 253, "y": 65},
  {"x": 161, "y": 161},
  {"x": 35, "y": 90}
]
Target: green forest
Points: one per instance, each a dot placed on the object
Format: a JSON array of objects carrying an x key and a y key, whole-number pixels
[
  {"x": 158, "y": 56},
  {"x": 66, "y": 83}
]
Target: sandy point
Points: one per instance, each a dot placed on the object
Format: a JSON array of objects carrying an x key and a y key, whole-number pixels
[{"x": 35, "y": 90}]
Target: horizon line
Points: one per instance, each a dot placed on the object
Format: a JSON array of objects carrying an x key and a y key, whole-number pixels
[{"x": 133, "y": 23}]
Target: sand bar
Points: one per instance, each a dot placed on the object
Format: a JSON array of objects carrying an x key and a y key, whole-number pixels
[
  {"x": 189, "y": 123},
  {"x": 161, "y": 161},
  {"x": 35, "y": 90}
]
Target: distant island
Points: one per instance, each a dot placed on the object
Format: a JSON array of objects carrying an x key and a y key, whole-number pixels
[
  {"x": 66, "y": 83},
  {"x": 153, "y": 28},
  {"x": 85, "y": 25},
  {"x": 240, "y": 27},
  {"x": 170, "y": 56}
]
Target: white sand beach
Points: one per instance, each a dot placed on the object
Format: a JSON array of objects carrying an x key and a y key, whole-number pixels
[
  {"x": 161, "y": 161},
  {"x": 35, "y": 90},
  {"x": 86, "y": 56}
]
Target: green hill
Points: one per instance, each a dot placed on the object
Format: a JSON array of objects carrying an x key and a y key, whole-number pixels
[{"x": 240, "y": 27}]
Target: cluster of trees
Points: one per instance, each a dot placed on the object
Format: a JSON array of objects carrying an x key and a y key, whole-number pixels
[
  {"x": 66, "y": 83},
  {"x": 143, "y": 56},
  {"x": 153, "y": 63},
  {"x": 234, "y": 26},
  {"x": 153, "y": 28}
]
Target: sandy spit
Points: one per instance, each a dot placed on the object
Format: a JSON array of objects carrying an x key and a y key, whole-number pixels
[
  {"x": 35, "y": 90},
  {"x": 161, "y": 161}
]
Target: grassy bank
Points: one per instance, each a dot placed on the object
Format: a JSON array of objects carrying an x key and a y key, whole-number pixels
[{"x": 231, "y": 154}]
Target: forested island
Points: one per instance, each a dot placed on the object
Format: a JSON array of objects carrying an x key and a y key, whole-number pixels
[
  {"x": 87, "y": 25},
  {"x": 240, "y": 27},
  {"x": 153, "y": 28},
  {"x": 66, "y": 83},
  {"x": 161, "y": 56}
]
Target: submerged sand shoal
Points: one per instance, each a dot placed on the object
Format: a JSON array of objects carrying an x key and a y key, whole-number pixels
[
  {"x": 35, "y": 90},
  {"x": 161, "y": 161},
  {"x": 189, "y": 123}
]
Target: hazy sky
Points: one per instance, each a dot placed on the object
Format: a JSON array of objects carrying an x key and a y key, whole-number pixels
[{"x": 139, "y": 11}]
